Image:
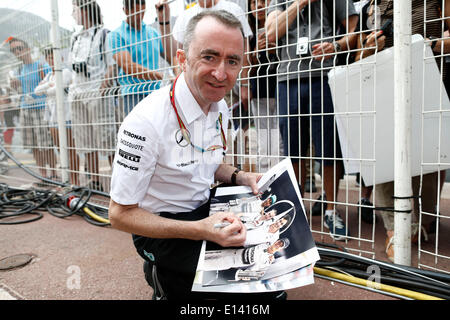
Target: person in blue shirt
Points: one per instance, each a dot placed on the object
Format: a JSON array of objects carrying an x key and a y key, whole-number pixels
[
  {"x": 35, "y": 130},
  {"x": 136, "y": 48}
]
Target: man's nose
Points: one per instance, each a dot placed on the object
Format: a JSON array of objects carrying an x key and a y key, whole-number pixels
[{"x": 219, "y": 71}]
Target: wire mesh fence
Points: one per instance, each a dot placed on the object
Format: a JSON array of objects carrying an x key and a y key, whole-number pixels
[{"x": 317, "y": 85}]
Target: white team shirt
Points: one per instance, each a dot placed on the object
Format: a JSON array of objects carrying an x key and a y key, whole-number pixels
[
  {"x": 183, "y": 19},
  {"x": 153, "y": 167}
]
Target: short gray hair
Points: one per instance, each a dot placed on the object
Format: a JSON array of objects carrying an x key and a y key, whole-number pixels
[{"x": 222, "y": 16}]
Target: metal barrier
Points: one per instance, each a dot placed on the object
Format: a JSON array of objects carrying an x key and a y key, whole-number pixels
[{"x": 319, "y": 75}]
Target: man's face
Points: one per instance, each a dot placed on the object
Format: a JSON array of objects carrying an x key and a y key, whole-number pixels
[
  {"x": 20, "y": 51},
  {"x": 49, "y": 59},
  {"x": 214, "y": 60},
  {"x": 136, "y": 14}
]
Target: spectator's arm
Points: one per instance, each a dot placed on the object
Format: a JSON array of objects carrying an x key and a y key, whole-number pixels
[
  {"x": 43, "y": 88},
  {"x": 169, "y": 44},
  {"x": 325, "y": 50},
  {"x": 125, "y": 61},
  {"x": 278, "y": 21},
  {"x": 349, "y": 40},
  {"x": 245, "y": 82},
  {"x": 369, "y": 44}
]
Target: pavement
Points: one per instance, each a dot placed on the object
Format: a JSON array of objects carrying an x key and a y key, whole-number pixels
[{"x": 75, "y": 260}]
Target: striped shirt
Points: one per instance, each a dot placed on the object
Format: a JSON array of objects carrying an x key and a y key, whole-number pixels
[
  {"x": 424, "y": 20},
  {"x": 419, "y": 25}
]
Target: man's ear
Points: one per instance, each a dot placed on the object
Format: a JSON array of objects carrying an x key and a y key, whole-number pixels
[{"x": 182, "y": 59}]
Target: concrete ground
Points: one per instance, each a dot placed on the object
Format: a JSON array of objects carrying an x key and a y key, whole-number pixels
[{"x": 74, "y": 260}]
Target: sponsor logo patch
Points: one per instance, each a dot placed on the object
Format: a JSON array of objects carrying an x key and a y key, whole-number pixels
[
  {"x": 129, "y": 156},
  {"x": 127, "y": 166},
  {"x": 134, "y": 136}
]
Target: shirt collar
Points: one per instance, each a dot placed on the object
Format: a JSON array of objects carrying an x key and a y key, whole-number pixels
[
  {"x": 127, "y": 27},
  {"x": 187, "y": 104}
]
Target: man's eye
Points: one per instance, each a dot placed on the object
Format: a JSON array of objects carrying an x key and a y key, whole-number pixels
[{"x": 208, "y": 58}]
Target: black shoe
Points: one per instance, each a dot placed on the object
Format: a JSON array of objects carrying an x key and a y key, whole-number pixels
[
  {"x": 310, "y": 186},
  {"x": 367, "y": 213},
  {"x": 319, "y": 207}
]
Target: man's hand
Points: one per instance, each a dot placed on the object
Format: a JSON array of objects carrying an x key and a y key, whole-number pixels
[
  {"x": 245, "y": 97},
  {"x": 163, "y": 10},
  {"x": 232, "y": 235},
  {"x": 373, "y": 42},
  {"x": 249, "y": 179},
  {"x": 323, "y": 51},
  {"x": 375, "y": 39},
  {"x": 304, "y": 3}
]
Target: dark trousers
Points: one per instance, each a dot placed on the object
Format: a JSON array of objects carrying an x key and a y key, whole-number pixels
[
  {"x": 304, "y": 105},
  {"x": 176, "y": 261}
]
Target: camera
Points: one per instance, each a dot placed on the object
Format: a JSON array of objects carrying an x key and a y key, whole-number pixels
[
  {"x": 81, "y": 67},
  {"x": 388, "y": 28}
]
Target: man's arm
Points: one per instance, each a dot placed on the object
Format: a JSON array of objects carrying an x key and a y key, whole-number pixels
[
  {"x": 169, "y": 44},
  {"x": 135, "y": 220},
  {"x": 245, "y": 93},
  {"x": 278, "y": 21},
  {"x": 368, "y": 45},
  {"x": 125, "y": 61},
  {"x": 324, "y": 50},
  {"x": 243, "y": 178}
]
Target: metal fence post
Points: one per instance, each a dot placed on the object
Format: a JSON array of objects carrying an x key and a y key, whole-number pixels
[
  {"x": 402, "y": 132},
  {"x": 56, "y": 44}
]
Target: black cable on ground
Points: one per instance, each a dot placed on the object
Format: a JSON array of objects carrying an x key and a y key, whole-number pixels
[
  {"x": 19, "y": 203},
  {"x": 385, "y": 266},
  {"x": 55, "y": 205},
  {"x": 46, "y": 180},
  {"x": 16, "y": 205},
  {"x": 423, "y": 281}
]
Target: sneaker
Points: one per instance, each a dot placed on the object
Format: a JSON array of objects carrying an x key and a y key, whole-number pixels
[
  {"x": 335, "y": 224},
  {"x": 367, "y": 213},
  {"x": 319, "y": 207}
]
